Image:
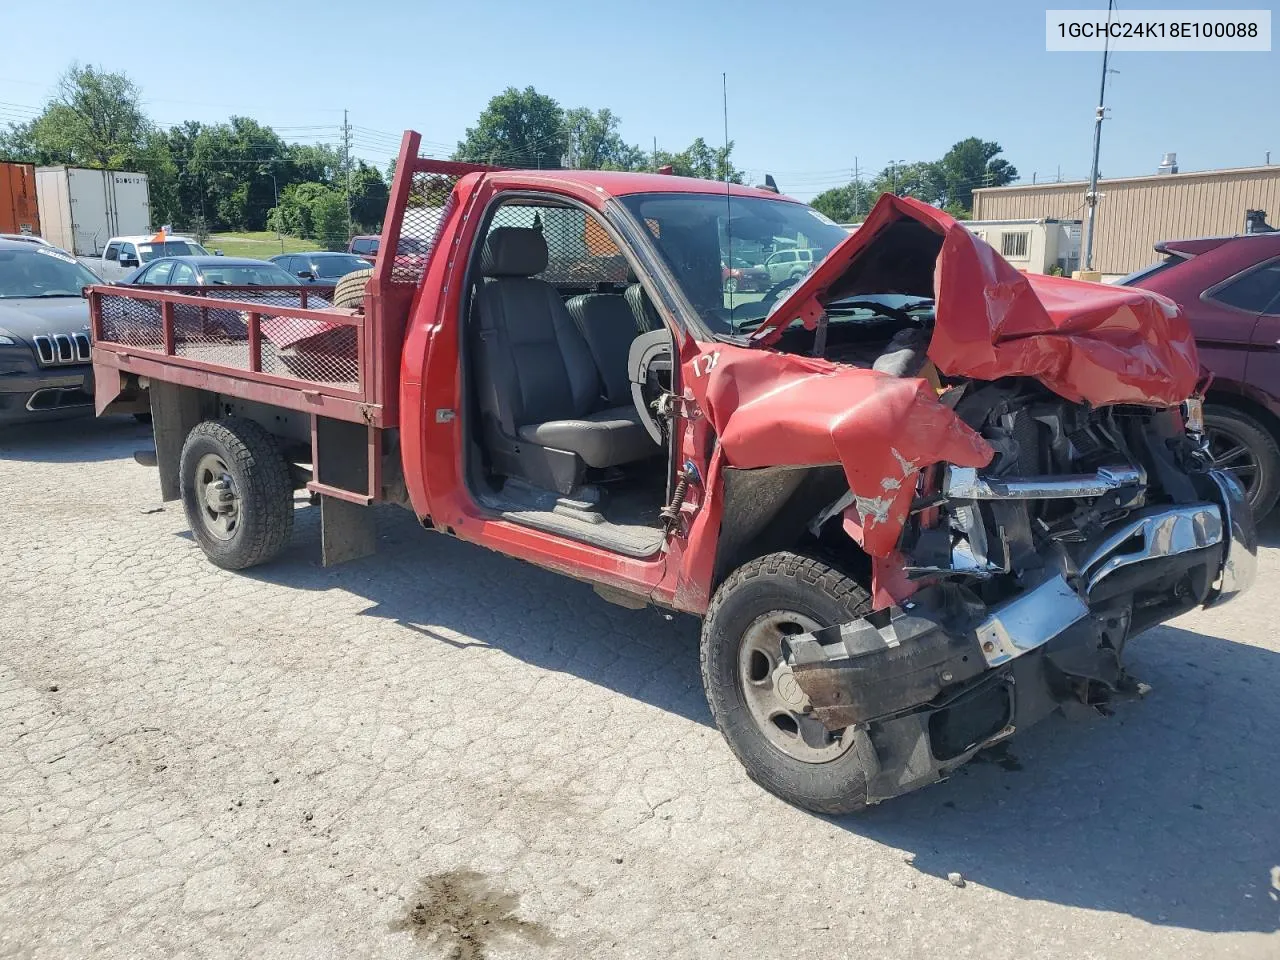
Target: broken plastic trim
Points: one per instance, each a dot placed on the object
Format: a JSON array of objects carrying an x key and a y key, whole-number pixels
[{"x": 964, "y": 483}]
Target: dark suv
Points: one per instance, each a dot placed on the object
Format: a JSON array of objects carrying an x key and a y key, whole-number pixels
[{"x": 1229, "y": 288}]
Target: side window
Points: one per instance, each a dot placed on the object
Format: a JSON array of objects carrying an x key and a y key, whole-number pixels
[
  {"x": 112, "y": 253},
  {"x": 183, "y": 275},
  {"x": 364, "y": 246},
  {"x": 1258, "y": 291},
  {"x": 159, "y": 274}
]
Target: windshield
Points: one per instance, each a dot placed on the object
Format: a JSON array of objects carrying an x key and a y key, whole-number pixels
[
  {"x": 246, "y": 275},
  {"x": 41, "y": 272},
  {"x": 170, "y": 248},
  {"x": 698, "y": 233},
  {"x": 339, "y": 266}
]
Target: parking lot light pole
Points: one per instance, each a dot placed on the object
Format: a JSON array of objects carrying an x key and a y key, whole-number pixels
[{"x": 1091, "y": 198}]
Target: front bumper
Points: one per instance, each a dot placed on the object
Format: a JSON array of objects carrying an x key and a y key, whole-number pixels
[
  {"x": 926, "y": 686},
  {"x": 44, "y": 394}
]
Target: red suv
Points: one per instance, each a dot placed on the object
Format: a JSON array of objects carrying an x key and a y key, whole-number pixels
[{"x": 1229, "y": 288}]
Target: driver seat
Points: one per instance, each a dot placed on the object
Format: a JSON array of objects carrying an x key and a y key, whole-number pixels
[{"x": 545, "y": 416}]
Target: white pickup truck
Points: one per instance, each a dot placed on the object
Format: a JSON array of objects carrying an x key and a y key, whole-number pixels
[{"x": 123, "y": 255}]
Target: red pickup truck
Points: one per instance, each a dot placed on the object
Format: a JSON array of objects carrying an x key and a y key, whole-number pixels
[{"x": 919, "y": 499}]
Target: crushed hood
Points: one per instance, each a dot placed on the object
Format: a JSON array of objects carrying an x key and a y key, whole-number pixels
[{"x": 1087, "y": 342}]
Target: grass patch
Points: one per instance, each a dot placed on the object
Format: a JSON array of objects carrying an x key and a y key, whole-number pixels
[{"x": 259, "y": 245}]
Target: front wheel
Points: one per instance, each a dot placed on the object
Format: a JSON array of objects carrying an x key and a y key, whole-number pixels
[
  {"x": 753, "y": 695},
  {"x": 237, "y": 492}
]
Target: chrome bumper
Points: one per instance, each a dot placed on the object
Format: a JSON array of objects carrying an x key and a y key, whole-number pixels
[{"x": 1034, "y": 618}]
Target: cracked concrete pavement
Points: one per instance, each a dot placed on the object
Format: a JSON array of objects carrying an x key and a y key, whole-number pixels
[{"x": 440, "y": 751}]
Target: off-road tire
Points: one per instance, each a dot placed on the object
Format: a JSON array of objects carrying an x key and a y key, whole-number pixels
[
  {"x": 1244, "y": 428},
  {"x": 799, "y": 584},
  {"x": 262, "y": 480},
  {"x": 349, "y": 291}
]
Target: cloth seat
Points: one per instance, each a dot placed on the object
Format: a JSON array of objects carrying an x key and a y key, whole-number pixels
[
  {"x": 602, "y": 439},
  {"x": 608, "y": 325},
  {"x": 538, "y": 381}
]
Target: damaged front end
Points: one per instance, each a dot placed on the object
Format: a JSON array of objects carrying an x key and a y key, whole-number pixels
[{"x": 1025, "y": 579}]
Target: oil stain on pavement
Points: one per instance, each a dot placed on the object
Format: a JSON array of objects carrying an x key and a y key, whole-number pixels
[{"x": 462, "y": 911}]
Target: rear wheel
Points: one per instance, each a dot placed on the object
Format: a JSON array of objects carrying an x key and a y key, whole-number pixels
[
  {"x": 236, "y": 491},
  {"x": 1244, "y": 448},
  {"x": 754, "y": 698},
  {"x": 731, "y": 285},
  {"x": 348, "y": 293}
]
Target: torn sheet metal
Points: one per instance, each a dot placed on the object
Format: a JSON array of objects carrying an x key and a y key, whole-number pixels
[
  {"x": 1091, "y": 342},
  {"x": 773, "y": 409}
]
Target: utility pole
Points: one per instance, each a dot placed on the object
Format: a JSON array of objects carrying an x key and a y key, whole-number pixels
[
  {"x": 655, "y": 153},
  {"x": 893, "y": 174},
  {"x": 275, "y": 189},
  {"x": 1091, "y": 198},
  {"x": 857, "y": 191},
  {"x": 346, "y": 163}
]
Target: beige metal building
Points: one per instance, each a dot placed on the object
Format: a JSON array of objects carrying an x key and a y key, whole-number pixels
[{"x": 1137, "y": 212}]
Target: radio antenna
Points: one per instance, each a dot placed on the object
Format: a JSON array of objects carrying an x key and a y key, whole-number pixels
[{"x": 728, "y": 205}]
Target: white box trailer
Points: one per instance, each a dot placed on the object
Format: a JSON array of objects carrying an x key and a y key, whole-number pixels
[{"x": 81, "y": 209}]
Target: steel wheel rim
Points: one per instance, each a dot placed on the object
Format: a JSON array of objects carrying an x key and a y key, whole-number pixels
[
  {"x": 217, "y": 497},
  {"x": 1232, "y": 455},
  {"x": 774, "y": 700}
]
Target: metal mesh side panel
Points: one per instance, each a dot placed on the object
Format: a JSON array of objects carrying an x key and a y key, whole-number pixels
[
  {"x": 305, "y": 349},
  {"x": 135, "y": 323},
  {"x": 580, "y": 254},
  {"x": 429, "y": 203}
]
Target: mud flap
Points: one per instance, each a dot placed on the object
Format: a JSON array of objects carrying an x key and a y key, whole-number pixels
[{"x": 347, "y": 531}]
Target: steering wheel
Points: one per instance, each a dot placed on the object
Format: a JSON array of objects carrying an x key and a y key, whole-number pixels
[{"x": 759, "y": 309}]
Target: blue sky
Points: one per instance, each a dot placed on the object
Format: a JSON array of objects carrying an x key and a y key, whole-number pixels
[{"x": 812, "y": 85}]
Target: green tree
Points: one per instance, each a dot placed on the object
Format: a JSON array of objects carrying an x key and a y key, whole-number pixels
[
  {"x": 314, "y": 163},
  {"x": 234, "y": 163},
  {"x": 970, "y": 164},
  {"x": 519, "y": 128},
  {"x": 95, "y": 120},
  {"x": 595, "y": 144},
  {"x": 368, "y": 197},
  {"x": 847, "y": 204},
  {"x": 329, "y": 216},
  {"x": 700, "y": 160}
]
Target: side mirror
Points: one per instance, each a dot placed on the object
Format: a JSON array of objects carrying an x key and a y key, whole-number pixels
[
  {"x": 306, "y": 275},
  {"x": 128, "y": 262},
  {"x": 217, "y": 253}
]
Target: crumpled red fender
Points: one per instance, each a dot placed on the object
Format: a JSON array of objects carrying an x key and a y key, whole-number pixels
[{"x": 773, "y": 409}]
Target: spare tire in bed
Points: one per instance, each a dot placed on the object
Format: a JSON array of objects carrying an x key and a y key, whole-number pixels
[{"x": 349, "y": 292}]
